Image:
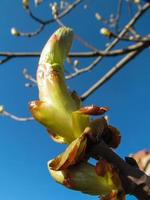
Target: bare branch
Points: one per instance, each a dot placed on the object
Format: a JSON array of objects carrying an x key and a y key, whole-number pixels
[
  {"x": 34, "y": 17},
  {"x": 14, "y": 117},
  {"x": 93, "y": 53},
  {"x": 69, "y": 8},
  {"x": 31, "y": 34},
  {"x": 77, "y": 37},
  {"x": 135, "y": 182},
  {"x": 118, "y": 16},
  {"x": 43, "y": 23},
  {"x": 110, "y": 73},
  {"x": 9, "y": 55},
  {"x": 5, "y": 59},
  {"x": 115, "y": 41}
]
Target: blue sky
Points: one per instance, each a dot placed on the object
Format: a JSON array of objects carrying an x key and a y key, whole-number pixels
[{"x": 25, "y": 147}]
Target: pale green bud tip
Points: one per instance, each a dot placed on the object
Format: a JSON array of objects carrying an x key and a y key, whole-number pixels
[
  {"x": 58, "y": 46},
  {"x": 14, "y": 32},
  {"x": 105, "y": 32},
  {"x": 64, "y": 36},
  {"x": 1, "y": 109},
  {"x": 25, "y": 4}
]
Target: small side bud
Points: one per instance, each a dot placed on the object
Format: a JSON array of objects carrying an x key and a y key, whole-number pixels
[
  {"x": 14, "y": 32},
  {"x": 25, "y": 4},
  {"x": 98, "y": 16},
  {"x": 54, "y": 8},
  {"x": 1, "y": 109},
  {"x": 37, "y": 2},
  {"x": 105, "y": 32},
  {"x": 75, "y": 63}
]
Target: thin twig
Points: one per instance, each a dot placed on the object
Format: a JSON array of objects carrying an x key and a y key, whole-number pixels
[
  {"x": 5, "y": 59},
  {"x": 91, "y": 54},
  {"x": 14, "y": 117},
  {"x": 77, "y": 37},
  {"x": 43, "y": 23},
  {"x": 64, "y": 12},
  {"x": 9, "y": 55},
  {"x": 115, "y": 41},
  {"x": 34, "y": 17},
  {"x": 31, "y": 34},
  {"x": 110, "y": 73},
  {"x": 118, "y": 16},
  {"x": 28, "y": 76}
]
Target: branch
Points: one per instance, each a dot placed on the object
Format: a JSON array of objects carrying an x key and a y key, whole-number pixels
[
  {"x": 111, "y": 72},
  {"x": 14, "y": 117},
  {"x": 119, "y": 12},
  {"x": 31, "y": 34},
  {"x": 115, "y": 41},
  {"x": 77, "y": 37},
  {"x": 43, "y": 23},
  {"x": 101, "y": 54},
  {"x": 65, "y": 12},
  {"x": 137, "y": 46},
  {"x": 60, "y": 15},
  {"x": 134, "y": 181}
]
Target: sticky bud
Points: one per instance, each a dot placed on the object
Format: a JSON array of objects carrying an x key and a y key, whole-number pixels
[
  {"x": 25, "y": 4},
  {"x": 14, "y": 32},
  {"x": 1, "y": 109},
  {"x": 98, "y": 16},
  {"x": 105, "y": 32}
]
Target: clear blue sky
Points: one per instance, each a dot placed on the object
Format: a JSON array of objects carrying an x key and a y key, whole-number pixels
[{"x": 25, "y": 147}]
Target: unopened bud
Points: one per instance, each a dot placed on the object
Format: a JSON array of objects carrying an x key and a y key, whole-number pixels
[
  {"x": 75, "y": 63},
  {"x": 105, "y": 32},
  {"x": 98, "y": 16},
  {"x": 1, "y": 109},
  {"x": 54, "y": 8},
  {"x": 37, "y": 2},
  {"x": 25, "y": 4},
  {"x": 14, "y": 32}
]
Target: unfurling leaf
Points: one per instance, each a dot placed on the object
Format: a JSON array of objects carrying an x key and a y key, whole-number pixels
[
  {"x": 83, "y": 177},
  {"x": 73, "y": 154},
  {"x": 93, "y": 110}
]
